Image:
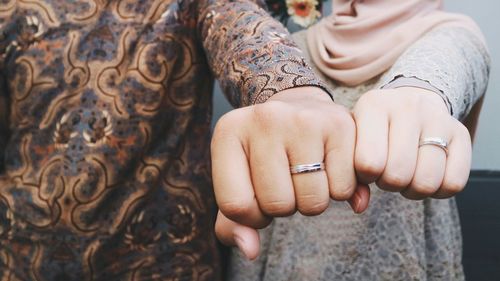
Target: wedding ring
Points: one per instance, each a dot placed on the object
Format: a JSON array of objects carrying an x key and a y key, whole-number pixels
[
  {"x": 439, "y": 142},
  {"x": 307, "y": 168}
]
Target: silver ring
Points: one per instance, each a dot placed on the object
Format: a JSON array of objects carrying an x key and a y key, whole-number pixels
[
  {"x": 307, "y": 168},
  {"x": 439, "y": 142}
]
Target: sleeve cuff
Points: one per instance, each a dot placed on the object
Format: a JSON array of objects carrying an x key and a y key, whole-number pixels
[
  {"x": 279, "y": 76},
  {"x": 413, "y": 81}
]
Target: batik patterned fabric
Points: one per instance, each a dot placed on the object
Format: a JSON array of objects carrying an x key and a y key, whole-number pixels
[{"x": 105, "y": 122}]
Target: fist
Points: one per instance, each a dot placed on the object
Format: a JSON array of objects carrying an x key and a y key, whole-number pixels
[
  {"x": 391, "y": 124},
  {"x": 253, "y": 149}
]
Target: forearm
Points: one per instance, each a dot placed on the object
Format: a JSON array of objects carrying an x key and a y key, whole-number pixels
[
  {"x": 251, "y": 54},
  {"x": 453, "y": 61}
]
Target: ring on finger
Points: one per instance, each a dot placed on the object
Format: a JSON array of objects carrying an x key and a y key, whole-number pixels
[
  {"x": 307, "y": 168},
  {"x": 435, "y": 141}
]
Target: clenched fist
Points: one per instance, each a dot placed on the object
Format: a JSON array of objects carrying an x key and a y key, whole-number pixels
[
  {"x": 392, "y": 127},
  {"x": 253, "y": 149}
]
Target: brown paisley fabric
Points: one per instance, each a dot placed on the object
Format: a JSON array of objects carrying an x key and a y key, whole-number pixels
[{"x": 105, "y": 110}]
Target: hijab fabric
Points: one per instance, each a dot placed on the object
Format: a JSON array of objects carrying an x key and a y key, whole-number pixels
[{"x": 363, "y": 38}]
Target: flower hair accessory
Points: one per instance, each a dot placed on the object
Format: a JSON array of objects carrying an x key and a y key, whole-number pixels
[{"x": 302, "y": 12}]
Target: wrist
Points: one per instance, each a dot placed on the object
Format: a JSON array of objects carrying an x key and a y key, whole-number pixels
[
  {"x": 308, "y": 93},
  {"x": 417, "y": 83},
  {"x": 431, "y": 98}
]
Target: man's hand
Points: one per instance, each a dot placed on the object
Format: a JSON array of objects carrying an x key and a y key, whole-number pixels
[
  {"x": 253, "y": 149},
  {"x": 390, "y": 125}
]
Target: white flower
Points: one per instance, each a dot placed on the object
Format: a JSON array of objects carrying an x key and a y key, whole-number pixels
[{"x": 303, "y": 12}]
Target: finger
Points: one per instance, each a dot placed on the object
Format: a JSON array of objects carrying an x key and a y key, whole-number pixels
[
  {"x": 231, "y": 233},
  {"x": 404, "y": 133},
  {"x": 372, "y": 140},
  {"x": 339, "y": 159},
  {"x": 311, "y": 189},
  {"x": 271, "y": 179},
  {"x": 457, "y": 165},
  {"x": 231, "y": 177},
  {"x": 431, "y": 163},
  {"x": 360, "y": 200}
]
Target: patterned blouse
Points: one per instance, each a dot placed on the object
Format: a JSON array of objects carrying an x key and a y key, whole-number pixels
[
  {"x": 395, "y": 239},
  {"x": 105, "y": 129}
]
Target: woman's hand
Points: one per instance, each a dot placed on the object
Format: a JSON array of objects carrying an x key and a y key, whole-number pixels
[
  {"x": 391, "y": 124},
  {"x": 253, "y": 149}
]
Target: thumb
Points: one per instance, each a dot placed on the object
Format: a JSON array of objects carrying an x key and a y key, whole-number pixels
[
  {"x": 231, "y": 233},
  {"x": 360, "y": 199}
]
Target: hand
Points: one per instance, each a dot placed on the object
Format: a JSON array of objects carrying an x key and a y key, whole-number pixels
[
  {"x": 253, "y": 149},
  {"x": 390, "y": 124}
]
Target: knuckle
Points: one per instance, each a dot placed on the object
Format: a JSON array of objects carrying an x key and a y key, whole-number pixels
[
  {"x": 342, "y": 193},
  {"x": 235, "y": 209},
  {"x": 369, "y": 167},
  {"x": 424, "y": 188},
  {"x": 394, "y": 181},
  {"x": 343, "y": 121},
  {"x": 226, "y": 125},
  {"x": 462, "y": 131},
  {"x": 278, "y": 208},
  {"x": 367, "y": 98},
  {"x": 453, "y": 187},
  {"x": 269, "y": 115},
  {"x": 314, "y": 206},
  {"x": 305, "y": 120},
  {"x": 227, "y": 120}
]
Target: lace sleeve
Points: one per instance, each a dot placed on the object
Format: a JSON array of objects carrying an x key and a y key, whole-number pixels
[{"x": 451, "y": 59}]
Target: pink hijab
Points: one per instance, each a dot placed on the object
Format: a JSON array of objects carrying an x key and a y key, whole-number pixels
[{"x": 364, "y": 38}]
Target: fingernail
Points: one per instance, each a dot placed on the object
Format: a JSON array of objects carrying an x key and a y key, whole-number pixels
[{"x": 240, "y": 243}]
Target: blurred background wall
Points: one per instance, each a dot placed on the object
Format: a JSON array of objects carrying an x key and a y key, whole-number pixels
[{"x": 487, "y": 145}]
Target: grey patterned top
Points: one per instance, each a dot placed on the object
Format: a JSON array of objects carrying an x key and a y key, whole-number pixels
[
  {"x": 396, "y": 238},
  {"x": 453, "y": 60}
]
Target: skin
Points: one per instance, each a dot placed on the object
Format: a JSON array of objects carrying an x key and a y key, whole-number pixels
[{"x": 376, "y": 142}]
